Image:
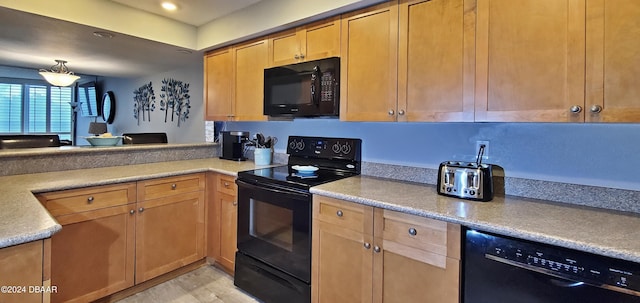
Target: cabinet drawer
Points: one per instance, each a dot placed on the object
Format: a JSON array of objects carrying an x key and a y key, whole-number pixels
[
  {"x": 163, "y": 187},
  {"x": 85, "y": 199},
  {"x": 227, "y": 184},
  {"x": 344, "y": 214},
  {"x": 422, "y": 233}
]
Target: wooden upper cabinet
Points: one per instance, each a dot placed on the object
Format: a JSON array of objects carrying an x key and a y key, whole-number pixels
[
  {"x": 310, "y": 42},
  {"x": 436, "y": 60},
  {"x": 613, "y": 61},
  {"x": 250, "y": 60},
  {"x": 530, "y": 60},
  {"x": 369, "y": 64},
  {"x": 218, "y": 81}
]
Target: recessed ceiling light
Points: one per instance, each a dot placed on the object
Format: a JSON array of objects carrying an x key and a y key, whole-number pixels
[
  {"x": 103, "y": 35},
  {"x": 169, "y": 6}
]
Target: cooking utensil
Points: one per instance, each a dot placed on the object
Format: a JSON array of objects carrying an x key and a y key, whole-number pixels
[{"x": 260, "y": 139}]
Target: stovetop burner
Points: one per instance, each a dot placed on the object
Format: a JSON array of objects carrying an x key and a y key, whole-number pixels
[
  {"x": 336, "y": 158},
  {"x": 286, "y": 176}
]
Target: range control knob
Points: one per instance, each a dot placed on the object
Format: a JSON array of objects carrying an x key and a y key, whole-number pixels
[
  {"x": 336, "y": 148},
  {"x": 346, "y": 148},
  {"x": 292, "y": 144},
  {"x": 300, "y": 145}
]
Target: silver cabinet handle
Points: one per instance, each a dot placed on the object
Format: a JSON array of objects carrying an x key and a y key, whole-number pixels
[
  {"x": 576, "y": 109},
  {"x": 226, "y": 184},
  {"x": 301, "y": 56},
  {"x": 376, "y": 249},
  {"x": 367, "y": 245},
  {"x": 173, "y": 186},
  {"x": 391, "y": 112},
  {"x": 235, "y": 203},
  {"x": 90, "y": 199},
  {"x": 413, "y": 231},
  {"x": 596, "y": 108},
  {"x": 339, "y": 213},
  {"x": 141, "y": 209},
  {"x": 401, "y": 112},
  {"x": 133, "y": 211},
  {"x": 297, "y": 56}
]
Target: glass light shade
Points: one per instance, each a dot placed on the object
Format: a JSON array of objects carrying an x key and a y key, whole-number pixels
[
  {"x": 59, "y": 79},
  {"x": 59, "y": 74},
  {"x": 97, "y": 128}
]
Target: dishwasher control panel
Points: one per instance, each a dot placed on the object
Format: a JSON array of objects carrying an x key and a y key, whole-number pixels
[{"x": 575, "y": 266}]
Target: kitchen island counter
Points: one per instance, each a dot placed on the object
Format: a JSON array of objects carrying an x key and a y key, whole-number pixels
[
  {"x": 24, "y": 219},
  {"x": 603, "y": 232}
]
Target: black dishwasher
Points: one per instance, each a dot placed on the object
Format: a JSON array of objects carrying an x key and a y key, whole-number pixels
[{"x": 503, "y": 269}]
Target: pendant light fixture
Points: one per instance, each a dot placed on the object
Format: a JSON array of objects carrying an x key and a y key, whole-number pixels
[{"x": 59, "y": 74}]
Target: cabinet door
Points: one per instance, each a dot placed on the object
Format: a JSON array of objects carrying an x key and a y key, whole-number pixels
[
  {"x": 322, "y": 39},
  {"x": 169, "y": 234},
  {"x": 341, "y": 270},
  {"x": 285, "y": 47},
  {"x": 419, "y": 259},
  {"x": 613, "y": 61},
  {"x": 21, "y": 266},
  {"x": 249, "y": 60},
  {"x": 530, "y": 60},
  {"x": 436, "y": 60},
  {"x": 310, "y": 42},
  {"x": 368, "y": 70},
  {"x": 218, "y": 78},
  {"x": 228, "y": 230},
  {"x": 93, "y": 255}
]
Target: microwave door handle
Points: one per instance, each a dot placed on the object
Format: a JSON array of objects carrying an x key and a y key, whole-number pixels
[{"x": 315, "y": 86}]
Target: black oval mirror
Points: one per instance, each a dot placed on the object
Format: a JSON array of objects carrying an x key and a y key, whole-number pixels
[{"x": 108, "y": 107}]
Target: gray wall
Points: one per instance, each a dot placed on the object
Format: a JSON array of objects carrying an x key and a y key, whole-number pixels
[
  {"x": 191, "y": 130},
  {"x": 590, "y": 154}
]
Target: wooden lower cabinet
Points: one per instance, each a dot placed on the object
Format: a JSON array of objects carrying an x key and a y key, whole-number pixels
[
  {"x": 222, "y": 217},
  {"x": 93, "y": 255},
  {"x": 367, "y": 254},
  {"x": 116, "y": 236},
  {"x": 22, "y": 269},
  {"x": 170, "y": 224},
  {"x": 169, "y": 234}
]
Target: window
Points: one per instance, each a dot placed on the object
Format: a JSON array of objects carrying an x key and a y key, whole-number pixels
[{"x": 34, "y": 107}]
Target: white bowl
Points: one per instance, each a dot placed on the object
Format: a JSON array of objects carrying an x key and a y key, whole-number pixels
[
  {"x": 305, "y": 169},
  {"x": 104, "y": 141}
]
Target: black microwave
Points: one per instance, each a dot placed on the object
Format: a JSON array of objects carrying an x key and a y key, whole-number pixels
[{"x": 308, "y": 89}]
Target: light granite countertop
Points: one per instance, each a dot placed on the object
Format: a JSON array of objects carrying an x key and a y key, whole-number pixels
[
  {"x": 604, "y": 232},
  {"x": 24, "y": 219},
  {"x": 610, "y": 233}
]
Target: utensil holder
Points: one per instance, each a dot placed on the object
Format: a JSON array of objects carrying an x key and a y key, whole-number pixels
[{"x": 262, "y": 156}]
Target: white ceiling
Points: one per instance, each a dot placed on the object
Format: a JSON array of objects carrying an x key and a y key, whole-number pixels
[
  {"x": 194, "y": 12},
  {"x": 33, "y": 41}
]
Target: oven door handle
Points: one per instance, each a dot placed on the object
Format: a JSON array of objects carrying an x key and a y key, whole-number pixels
[{"x": 273, "y": 189}]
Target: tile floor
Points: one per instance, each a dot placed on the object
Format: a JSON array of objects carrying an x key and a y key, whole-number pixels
[{"x": 203, "y": 285}]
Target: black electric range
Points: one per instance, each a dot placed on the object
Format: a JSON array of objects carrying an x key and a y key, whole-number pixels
[
  {"x": 335, "y": 158},
  {"x": 273, "y": 261}
]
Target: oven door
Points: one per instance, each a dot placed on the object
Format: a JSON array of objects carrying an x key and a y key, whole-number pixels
[{"x": 274, "y": 226}]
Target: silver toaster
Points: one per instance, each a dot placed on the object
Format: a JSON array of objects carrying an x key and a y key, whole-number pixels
[{"x": 467, "y": 180}]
